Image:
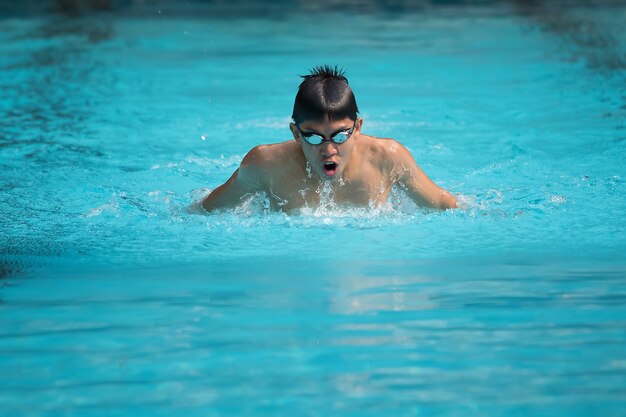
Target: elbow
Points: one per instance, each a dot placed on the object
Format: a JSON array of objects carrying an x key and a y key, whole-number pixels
[
  {"x": 198, "y": 207},
  {"x": 452, "y": 202},
  {"x": 447, "y": 201},
  {"x": 450, "y": 205},
  {"x": 210, "y": 202}
]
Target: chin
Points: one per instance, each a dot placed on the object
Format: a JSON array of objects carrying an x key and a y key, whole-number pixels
[{"x": 329, "y": 175}]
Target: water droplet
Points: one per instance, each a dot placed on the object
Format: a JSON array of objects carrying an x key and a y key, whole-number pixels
[{"x": 559, "y": 199}]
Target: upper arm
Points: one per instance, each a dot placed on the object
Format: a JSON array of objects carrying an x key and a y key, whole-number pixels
[
  {"x": 420, "y": 188},
  {"x": 247, "y": 179}
]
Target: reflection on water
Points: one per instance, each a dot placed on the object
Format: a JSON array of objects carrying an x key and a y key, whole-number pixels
[
  {"x": 598, "y": 44},
  {"x": 73, "y": 7},
  {"x": 44, "y": 124},
  {"x": 388, "y": 335},
  {"x": 238, "y": 8},
  {"x": 49, "y": 97}
]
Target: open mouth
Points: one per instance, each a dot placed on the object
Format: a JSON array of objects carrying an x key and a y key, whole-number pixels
[{"x": 330, "y": 168}]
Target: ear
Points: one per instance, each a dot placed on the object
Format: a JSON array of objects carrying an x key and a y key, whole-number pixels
[
  {"x": 294, "y": 132},
  {"x": 359, "y": 123}
]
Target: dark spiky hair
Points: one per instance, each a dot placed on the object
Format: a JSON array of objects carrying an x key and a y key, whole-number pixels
[
  {"x": 326, "y": 71},
  {"x": 324, "y": 93}
]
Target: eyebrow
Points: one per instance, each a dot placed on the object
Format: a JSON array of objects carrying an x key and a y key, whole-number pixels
[{"x": 313, "y": 132}]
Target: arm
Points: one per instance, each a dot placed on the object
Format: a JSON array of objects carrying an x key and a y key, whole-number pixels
[
  {"x": 245, "y": 180},
  {"x": 417, "y": 185}
]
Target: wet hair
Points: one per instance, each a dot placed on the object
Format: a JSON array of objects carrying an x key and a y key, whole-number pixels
[{"x": 324, "y": 93}]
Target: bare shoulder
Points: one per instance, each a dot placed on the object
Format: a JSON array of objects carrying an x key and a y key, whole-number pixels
[
  {"x": 388, "y": 152},
  {"x": 264, "y": 156},
  {"x": 263, "y": 162}
]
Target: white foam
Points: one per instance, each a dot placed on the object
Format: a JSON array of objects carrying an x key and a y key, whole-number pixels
[
  {"x": 112, "y": 206},
  {"x": 558, "y": 199}
]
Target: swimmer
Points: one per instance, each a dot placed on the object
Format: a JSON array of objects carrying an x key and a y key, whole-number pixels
[{"x": 328, "y": 147}]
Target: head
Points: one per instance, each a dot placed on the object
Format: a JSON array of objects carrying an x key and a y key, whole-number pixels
[{"x": 325, "y": 107}]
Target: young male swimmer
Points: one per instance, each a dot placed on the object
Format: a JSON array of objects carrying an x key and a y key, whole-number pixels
[{"x": 328, "y": 149}]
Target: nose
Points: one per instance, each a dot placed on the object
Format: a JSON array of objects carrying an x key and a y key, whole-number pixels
[{"x": 328, "y": 149}]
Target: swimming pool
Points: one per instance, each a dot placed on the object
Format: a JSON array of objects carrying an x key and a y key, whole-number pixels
[{"x": 116, "y": 301}]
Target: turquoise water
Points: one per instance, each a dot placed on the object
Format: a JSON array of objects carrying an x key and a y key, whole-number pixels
[{"x": 116, "y": 301}]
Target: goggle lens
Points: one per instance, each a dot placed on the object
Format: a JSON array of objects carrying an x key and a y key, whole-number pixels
[
  {"x": 314, "y": 139},
  {"x": 341, "y": 137}
]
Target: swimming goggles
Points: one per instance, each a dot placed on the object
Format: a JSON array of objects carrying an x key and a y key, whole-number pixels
[{"x": 316, "y": 138}]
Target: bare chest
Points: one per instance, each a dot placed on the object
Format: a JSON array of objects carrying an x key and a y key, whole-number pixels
[{"x": 287, "y": 194}]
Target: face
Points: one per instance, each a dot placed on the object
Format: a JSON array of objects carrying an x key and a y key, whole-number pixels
[{"x": 328, "y": 159}]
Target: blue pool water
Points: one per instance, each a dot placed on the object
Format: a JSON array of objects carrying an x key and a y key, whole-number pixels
[{"x": 115, "y": 301}]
